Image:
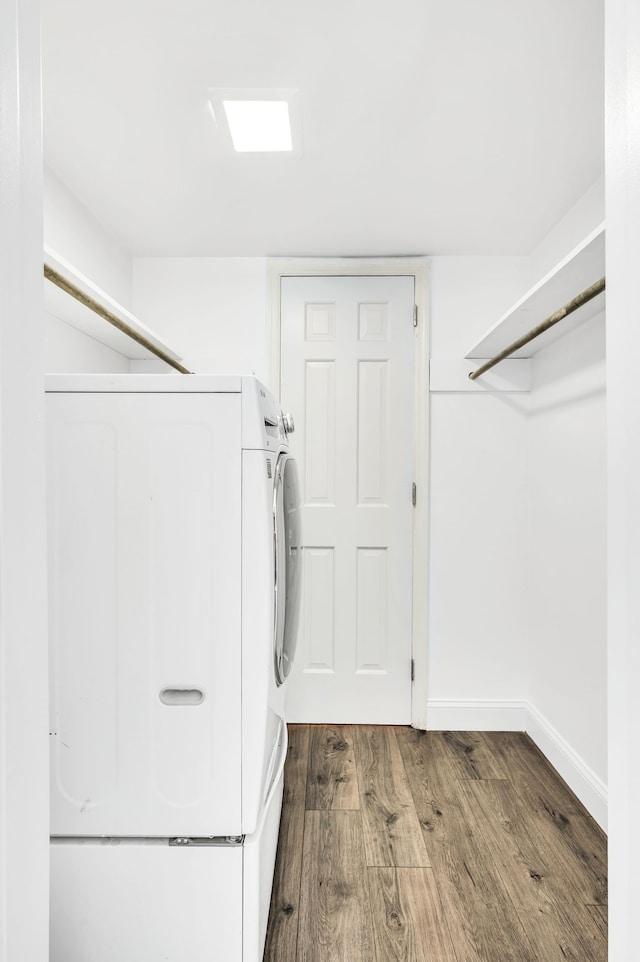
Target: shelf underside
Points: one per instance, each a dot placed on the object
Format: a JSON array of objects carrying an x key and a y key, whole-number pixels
[{"x": 578, "y": 271}]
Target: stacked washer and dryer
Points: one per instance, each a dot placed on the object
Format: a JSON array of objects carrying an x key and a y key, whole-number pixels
[{"x": 174, "y": 570}]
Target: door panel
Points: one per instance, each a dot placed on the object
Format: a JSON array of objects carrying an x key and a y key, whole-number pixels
[
  {"x": 145, "y": 563},
  {"x": 145, "y": 901},
  {"x": 347, "y": 377}
]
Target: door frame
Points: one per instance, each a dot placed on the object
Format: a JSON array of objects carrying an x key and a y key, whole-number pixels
[{"x": 418, "y": 268}]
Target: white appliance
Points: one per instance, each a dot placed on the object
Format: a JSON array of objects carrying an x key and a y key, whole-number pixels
[{"x": 174, "y": 569}]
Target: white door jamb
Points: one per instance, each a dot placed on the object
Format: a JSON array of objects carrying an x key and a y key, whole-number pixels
[{"x": 418, "y": 267}]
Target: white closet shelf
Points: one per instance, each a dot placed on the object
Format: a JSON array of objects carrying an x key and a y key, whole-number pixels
[
  {"x": 67, "y": 308},
  {"x": 578, "y": 270}
]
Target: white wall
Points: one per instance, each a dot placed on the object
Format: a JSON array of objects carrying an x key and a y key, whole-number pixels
[
  {"x": 24, "y": 749},
  {"x": 69, "y": 351},
  {"x": 566, "y": 574},
  {"x": 73, "y": 233},
  {"x": 623, "y": 426},
  {"x": 210, "y": 309},
  {"x": 567, "y": 554},
  {"x": 518, "y": 524},
  {"x": 477, "y": 634}
]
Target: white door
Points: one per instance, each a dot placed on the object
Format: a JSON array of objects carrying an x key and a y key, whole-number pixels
[{"x": 347, "y": 378}]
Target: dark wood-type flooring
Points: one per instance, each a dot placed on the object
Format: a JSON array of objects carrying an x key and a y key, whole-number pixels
[{"x": 405, "y": 846}]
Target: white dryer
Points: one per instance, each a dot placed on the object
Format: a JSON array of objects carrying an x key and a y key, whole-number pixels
[{"x": 174, "y": 568}]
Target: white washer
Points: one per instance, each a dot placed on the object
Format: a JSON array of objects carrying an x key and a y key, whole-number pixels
[{"x": 170, "y": 641}]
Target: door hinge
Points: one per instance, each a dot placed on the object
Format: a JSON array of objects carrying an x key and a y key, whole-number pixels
[
  {"x": 414, "y": 494},
  {"x": 415, "y": 315},
  {"x": 413, "y": 670}
]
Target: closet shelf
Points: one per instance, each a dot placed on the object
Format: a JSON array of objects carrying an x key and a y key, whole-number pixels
[
  {"x": 578, "y": 270},
  {"x": 64, "y": 306}
]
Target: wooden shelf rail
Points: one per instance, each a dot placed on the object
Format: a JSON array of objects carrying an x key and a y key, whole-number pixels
[
  {"x": 69, "y": 288},
  {"x": 578, "y": 301}
]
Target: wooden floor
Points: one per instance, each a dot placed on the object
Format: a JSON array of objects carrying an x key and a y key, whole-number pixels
[{"x": 403, "y": 846}]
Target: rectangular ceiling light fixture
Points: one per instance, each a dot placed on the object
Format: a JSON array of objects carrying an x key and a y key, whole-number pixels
[
  {"x": 257, "y": 120},
  {"x": 259, "y": 125}
]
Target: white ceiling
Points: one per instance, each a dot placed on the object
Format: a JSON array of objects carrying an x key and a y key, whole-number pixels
[{"x": 429, "y": 126}]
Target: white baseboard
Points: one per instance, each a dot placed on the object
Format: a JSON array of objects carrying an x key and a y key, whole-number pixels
[
  {"x": 589, "y": 788},
  {"x": 476, "y": 715},
  {"x": 519, "y": 716}
]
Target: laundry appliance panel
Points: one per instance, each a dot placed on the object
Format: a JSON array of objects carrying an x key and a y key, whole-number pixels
[
  {"x": 143, "y": 900},
  {"x": 174, "y": 565},
  {"x": 145, "y": 541}
]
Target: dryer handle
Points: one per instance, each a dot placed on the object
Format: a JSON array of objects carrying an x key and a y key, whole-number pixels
[
  {"x": 286, "y": 505},
  {"x": 278, "y": 768}
]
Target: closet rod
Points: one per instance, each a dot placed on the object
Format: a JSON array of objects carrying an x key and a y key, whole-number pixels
[
  {"x": 569, "y": 308},
  {"x": 69, "y": 288}
]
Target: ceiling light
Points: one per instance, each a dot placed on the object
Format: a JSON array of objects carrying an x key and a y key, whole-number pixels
[
  {"x": 259, "y": 125},
  {"x": 255, "y": 121}
]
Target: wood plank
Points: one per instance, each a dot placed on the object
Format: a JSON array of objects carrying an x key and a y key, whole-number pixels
[
  {"x": 471, "y": 756},
  {"x": 284, "y": 913},
  {"x": 580, "y": 846},
  {"x": 335, "y": 913},
  {"x": 408, "y": 921},
  {"x": 332, "y": 781},
  {"x": 558, "y": 925},
  {"x": 600, "y": 914},
  {"x": 421, "y": 769},
  {"x": 392, "y": 833},
  {"x": 577, "y": 840},
  {"x": 494, "y": 811},
  {"x": 483, "y": 921},
  {"x": 527, "y": 768}
]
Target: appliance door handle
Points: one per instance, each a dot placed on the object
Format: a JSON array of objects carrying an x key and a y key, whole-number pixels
[
  {"x": 280, "y": 569},
  {"x": 278, "y": 768}
]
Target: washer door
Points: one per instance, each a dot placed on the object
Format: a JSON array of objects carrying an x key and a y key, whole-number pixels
[{"x": 286, "y": 534}]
